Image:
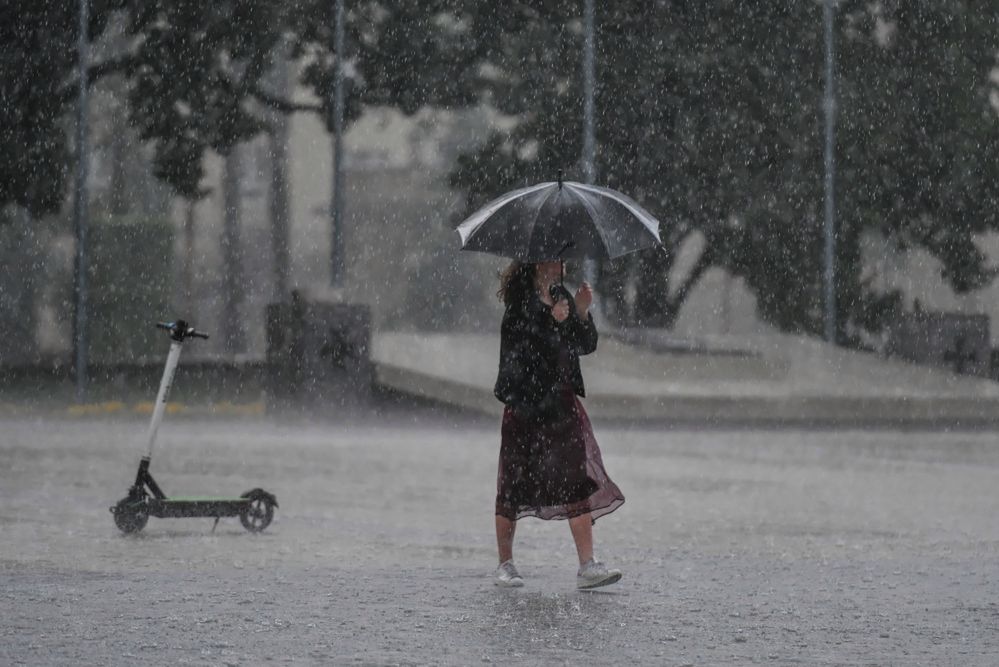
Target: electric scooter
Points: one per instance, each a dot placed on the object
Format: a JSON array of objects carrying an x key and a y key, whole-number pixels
[{"x": 255, "y": 508}]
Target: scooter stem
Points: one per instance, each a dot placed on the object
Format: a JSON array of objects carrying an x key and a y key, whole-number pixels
[{"x": 161, "y": 398}]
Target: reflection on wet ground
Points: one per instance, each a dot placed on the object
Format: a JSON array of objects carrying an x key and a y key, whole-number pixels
[{"x": 777, "y": 547}]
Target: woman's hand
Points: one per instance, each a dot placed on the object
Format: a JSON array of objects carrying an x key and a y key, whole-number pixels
[
  {"x": 560, "y": 310},
  {"x": 584, "y": 297}
]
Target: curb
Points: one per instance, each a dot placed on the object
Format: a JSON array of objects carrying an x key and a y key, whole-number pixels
[{"x": 142, "y": 408}]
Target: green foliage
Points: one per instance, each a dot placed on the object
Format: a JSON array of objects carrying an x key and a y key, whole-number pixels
[
  {"x": 710, "y": 113},
  {"x": 919, "y": 138},
  {"x": 195, "y": 73},
  {"x": 129, "y": 287},
  {"x": 34, "y": 146}
]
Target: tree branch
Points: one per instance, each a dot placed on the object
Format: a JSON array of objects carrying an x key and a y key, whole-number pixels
[
  {"x": 675, "y": 300},
  {"x": 280, "y": 104},
  {"x": 249, "y": 84},
  {"x": 95, "y": 72}
]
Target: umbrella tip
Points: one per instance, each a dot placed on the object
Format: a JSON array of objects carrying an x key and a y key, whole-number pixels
[{"x": 559, "y": 179}]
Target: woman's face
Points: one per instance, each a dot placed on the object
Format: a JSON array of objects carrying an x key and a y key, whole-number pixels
[{"x": 549, "y": 272}]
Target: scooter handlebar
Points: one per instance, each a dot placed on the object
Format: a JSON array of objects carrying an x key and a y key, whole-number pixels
[{"x": 180, "y": 330}]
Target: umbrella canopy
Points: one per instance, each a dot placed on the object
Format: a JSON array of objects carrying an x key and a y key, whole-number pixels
[{"x": 561, "y": 220}]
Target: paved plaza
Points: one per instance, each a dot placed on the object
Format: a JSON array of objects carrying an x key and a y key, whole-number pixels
[{"x": 776, "y": 547}]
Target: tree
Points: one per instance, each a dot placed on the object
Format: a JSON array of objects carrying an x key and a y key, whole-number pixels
[
  {"x": 196, "y": 76},
  {"x": 710, "y": 114},
  {"x": 189, "y": 67},
  {"x": 919, "y": 134}
]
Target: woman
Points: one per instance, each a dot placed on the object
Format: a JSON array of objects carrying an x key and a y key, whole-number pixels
[{"x": 549, "y": 465}]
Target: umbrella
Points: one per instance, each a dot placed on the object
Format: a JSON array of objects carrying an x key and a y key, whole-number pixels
[{"x": 560, "y": 220}]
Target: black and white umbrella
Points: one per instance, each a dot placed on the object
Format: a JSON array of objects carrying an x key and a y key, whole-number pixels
[{"x": 560, "y": 220}]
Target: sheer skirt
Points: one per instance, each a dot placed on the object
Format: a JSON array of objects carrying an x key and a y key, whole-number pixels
[{"x": 552, "y": 468}]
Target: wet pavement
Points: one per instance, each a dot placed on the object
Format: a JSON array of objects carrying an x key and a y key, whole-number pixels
[{"x": 739, "y": 547}]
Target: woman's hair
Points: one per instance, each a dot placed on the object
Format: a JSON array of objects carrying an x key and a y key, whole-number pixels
[{"x": 516, "y": 283}]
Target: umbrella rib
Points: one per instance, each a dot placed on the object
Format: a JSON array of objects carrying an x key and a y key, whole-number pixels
[
  {"x": 634, "y": 207},
  {"x": 467, "y": 228},
  {"x": 593, "y": 215},
  {"x": 537, "y": 214}
]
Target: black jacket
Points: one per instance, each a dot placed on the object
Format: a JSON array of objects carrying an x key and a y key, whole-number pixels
[{"x": 530, "y": 342}]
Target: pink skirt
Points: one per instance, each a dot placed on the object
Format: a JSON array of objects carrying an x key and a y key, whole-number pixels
[{"x": 552, "y": 468}]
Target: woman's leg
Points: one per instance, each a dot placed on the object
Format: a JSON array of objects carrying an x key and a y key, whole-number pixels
[
  {"x": 582, "y": 533},
  {"x": 504, "y": 537},
  {"x": 591, "y": 573}
]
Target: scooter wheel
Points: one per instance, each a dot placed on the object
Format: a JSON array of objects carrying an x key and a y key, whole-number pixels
[
  {"x": 257, "y": 515},
  {"x": 130, "y": 516}
]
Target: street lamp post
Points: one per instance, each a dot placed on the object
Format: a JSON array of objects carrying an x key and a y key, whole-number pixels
[
  {"x": 589, "y": 133},
  {"x": 589, "y": 82},
  {"x": 80, "y": 211},
  {"x": 336, "y": 250},
  {"x": 830, "y": 169}
]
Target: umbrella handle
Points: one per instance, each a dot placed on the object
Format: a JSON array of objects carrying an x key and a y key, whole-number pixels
[
  {"x": 568, "y": 245},
  {"x": 558, "y": 292}
]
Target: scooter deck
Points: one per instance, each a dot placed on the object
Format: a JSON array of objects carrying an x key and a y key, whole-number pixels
[
  {"x": 204, "y": 499},
  {"x": 195, "y": 507}
]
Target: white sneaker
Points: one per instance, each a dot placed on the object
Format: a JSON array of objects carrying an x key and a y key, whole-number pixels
[
  {"x": 594, "y": 574},
  {"x": 507, "y": 575}
]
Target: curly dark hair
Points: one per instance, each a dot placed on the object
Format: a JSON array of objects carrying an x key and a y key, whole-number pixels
[{"x": 516, "y": 283}]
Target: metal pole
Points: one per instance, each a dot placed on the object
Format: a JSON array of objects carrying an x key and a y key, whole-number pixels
[
  {"x": 589, "y": 139},
  {"x": 336, "y": 249},
  {"x": 589, "y": 81},
  {"x": 830, "y": 164},
  {"x": 173, "y": 358},
  {"x": 80, "y": 211},
  {"x": 190, "y": 215}
]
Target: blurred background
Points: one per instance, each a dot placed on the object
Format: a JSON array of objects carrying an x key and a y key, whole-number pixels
[{"x": 200, "y": 156}]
